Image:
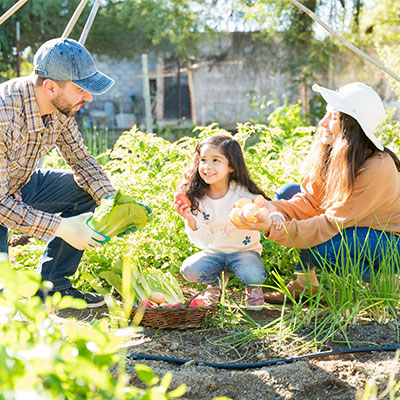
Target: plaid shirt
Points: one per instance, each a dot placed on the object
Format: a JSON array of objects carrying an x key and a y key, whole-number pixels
[{"x": 24, "y": 140}]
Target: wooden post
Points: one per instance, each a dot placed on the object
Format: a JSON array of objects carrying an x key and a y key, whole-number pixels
[
  {"x": 18, "y": 47},
  {"x": 160, "y": 88},
  {"x": 146, "y": 94},
  {"x": 178, "y": 90},
  {"x": 191, "y": 95}
]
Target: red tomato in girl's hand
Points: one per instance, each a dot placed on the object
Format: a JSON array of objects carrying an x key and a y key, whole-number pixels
[{"x": 183, "y": 198}]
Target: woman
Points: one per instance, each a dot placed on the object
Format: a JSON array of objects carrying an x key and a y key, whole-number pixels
[{"x": 352, "y": 192}]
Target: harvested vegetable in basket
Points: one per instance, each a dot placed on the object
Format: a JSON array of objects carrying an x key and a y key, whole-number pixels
[
  {"x": 119, "y": 213},
  {"x": 145, "y": 282}
]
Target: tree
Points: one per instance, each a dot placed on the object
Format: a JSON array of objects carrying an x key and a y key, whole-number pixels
[
  {"x": 379, "y": 26},
  {"x": 308, "y": 55},
  {"x": 122, "y": 28},
  {"x": 167, "y": 28},
  {"x": 40, "y": 20}
]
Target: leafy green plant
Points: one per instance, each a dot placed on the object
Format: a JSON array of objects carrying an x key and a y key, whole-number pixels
[
  {"x": 97, "y": 141},
  {"x": 27, "y": 257},
  {"x": 287, "y": 117},
  {"x": 388, "y": 132},
  {"x": 119, "y": 213},
  {"x": 149, "y": 168},
  {"x": 42, "y": 359},
  {"x": 53, "y": 160},
  {"x": 173, "y": 133}
]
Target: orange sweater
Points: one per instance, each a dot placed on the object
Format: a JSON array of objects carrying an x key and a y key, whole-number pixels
[{"x": 374, "y": 203}]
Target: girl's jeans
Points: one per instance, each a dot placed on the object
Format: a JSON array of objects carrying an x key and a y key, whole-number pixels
[
  {"x": 363, "y": 249},
  {"x": 55, "y": 192},
  {"x": 207, "y": 267}
]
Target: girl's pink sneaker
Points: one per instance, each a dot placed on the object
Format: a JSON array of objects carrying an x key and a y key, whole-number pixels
[{"x": 254, "y": 298}]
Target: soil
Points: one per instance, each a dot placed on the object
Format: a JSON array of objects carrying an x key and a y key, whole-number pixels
[{"x": 339, "y": 376}]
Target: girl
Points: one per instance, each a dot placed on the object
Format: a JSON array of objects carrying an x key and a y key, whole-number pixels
[
  {"x": 352, "y": 192},
  {"x": 216, "y": 179}
]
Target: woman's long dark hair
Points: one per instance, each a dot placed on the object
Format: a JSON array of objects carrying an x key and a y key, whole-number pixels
[
  {"x": 195, "y": 188},
  {"x": 335, "y": 167}
]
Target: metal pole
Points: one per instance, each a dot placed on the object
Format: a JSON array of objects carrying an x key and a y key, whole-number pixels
[
  {"x": 89, "y": 22},
  {"x": 146, "y": 94},
  {"x": 344, "y": 41},
  {"x": 74, "y": 18},
  {"x": 12, "y": 10}
]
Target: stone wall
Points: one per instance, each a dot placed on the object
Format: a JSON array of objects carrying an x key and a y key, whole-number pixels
[
  {"x": 126, "y": 75},
  {"x": 229, "y": 71}
]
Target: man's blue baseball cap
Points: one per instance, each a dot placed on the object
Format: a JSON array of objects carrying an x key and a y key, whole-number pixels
[{"x": 65, "y": 59}]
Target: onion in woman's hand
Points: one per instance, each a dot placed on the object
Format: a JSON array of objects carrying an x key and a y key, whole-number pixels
[{"x": 235, "y": 216}]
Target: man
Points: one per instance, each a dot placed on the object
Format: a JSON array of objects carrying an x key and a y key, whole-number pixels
[{"x": 36, "y": 113}]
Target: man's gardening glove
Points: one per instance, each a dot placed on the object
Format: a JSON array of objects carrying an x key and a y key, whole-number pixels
[
  {"x": 133, "y": 228},
  {"x": 75, "y": 232},
  {"x": 127, "y": 232},
  {"x": 106, "y": 238}
]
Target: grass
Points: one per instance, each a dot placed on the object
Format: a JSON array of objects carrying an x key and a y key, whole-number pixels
[
  {"x": 343, "y": 299},
  {"x": 305, "y": 325}
]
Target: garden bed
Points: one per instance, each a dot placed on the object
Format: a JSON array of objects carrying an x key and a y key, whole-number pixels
[
  {"x": 331, "y": 377},
  {"x": 150, "y": 168}
]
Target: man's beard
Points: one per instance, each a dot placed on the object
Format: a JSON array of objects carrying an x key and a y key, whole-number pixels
[{"x": 66, "y": 108}]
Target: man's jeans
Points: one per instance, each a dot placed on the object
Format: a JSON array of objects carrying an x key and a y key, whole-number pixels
[
  {"x": 361, "y": 248},
  {"x": 55, "y": 192},
  {"x": 207, "y": 267}
]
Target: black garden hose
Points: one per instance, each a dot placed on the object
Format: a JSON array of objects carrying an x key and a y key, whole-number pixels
[{"x": 139, "y": 356}]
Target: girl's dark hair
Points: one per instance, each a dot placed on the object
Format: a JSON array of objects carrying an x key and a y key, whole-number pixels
[
  {"x": 195, "y": 188},
  {"x": 336, "y": 167}
]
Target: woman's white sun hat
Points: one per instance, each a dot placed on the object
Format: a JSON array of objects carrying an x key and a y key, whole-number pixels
[{"x": 359, "y": 101}]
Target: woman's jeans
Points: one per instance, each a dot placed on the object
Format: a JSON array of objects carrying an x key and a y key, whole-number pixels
[
  {"x": 207, "y": 267},
  {"x": 55, "y": 192},
  {"x": 360, "y": 249}
]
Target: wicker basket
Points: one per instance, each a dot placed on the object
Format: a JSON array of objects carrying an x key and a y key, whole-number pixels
[{"x": 181, "y": 317}]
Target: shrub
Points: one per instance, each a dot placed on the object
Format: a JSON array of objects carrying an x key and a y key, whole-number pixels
[{"x": 149, "y": 168}]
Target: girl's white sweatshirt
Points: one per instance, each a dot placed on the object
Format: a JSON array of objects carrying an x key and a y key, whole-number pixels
[{"x": 215, "y": 230}]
